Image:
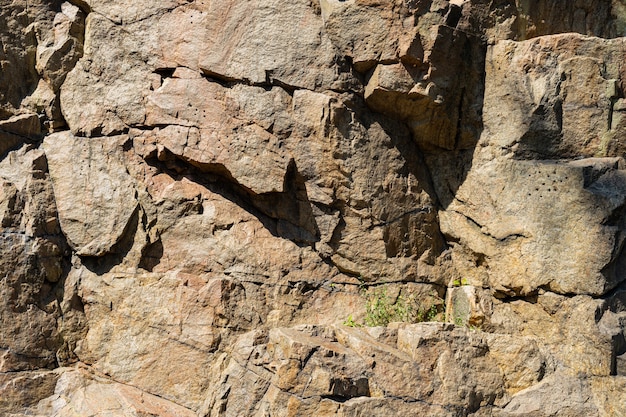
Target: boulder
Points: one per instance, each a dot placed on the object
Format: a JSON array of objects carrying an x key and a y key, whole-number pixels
[{"x": 95, "y": 195}]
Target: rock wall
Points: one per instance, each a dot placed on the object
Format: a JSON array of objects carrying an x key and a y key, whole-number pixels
[{"x": 203, "y": 202}]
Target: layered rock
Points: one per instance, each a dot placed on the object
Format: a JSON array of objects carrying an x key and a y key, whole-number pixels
[
  {"x": 539, "y": 214},
  {"x": 203, "y": 202}
]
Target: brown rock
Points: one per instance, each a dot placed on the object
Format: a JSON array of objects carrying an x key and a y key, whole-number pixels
[
  {"x": 22, "y": 391},
  {"x": 79, "y": 392},
  {"x": 95, "y": 218},
  {"x": 212, "y": 130},
  {"x": 308, "y": 369},
  {"x": 238, "y": 178},
  {"x": 105, "y": 92},
  {"x": 18, "y": 130},
  {"x": 31, "y": 262},
  {"x": 58, "y": 54},
  {"x": 560, "y": 95}
]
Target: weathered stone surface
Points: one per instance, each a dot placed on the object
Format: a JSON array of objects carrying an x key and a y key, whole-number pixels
[
  {"x": 560, "y": 94},
  {"x": 57, "y": 54},
  {"x": 105, "y": 92},
  {"x": 78, "y": 392},
  {"x": 269, "y": 42},
  {"x": 536, "y": 220},
  {"x": 213, "y": 130},
  {"x": 530, "y": 19},
  {"x": 344, "y": 371},
  {"x": 22, "y": 391},
  {"x": 527, "y": 213},
  {"x": 195, "y": 194},
  {"x": 31, "y": 262},
  {"x": 290, "y": 142},
  {"x": 18, "y": 130},
  {"x": 532, "y": 203},
  {"x": 553, "y": 396},
  {"x": 95, "y": 195},
  {"x": 429, "y": 91},
  {"x": 19, "y": 46}
]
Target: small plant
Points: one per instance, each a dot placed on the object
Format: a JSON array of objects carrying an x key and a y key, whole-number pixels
[
  {"x": 382, "y": 309},
  {"x": 350, "y": 322},
  {"x": 429, "y": 314},
  {"x": 459, "y": 282}
]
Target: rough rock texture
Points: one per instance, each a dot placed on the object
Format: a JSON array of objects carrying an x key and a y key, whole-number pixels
[{"x": 203, "y": 202}]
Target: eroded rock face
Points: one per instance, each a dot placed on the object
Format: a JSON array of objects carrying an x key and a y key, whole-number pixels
[
  {"x": 95, "y": 195},
  {"x": 203, "y": 202}
]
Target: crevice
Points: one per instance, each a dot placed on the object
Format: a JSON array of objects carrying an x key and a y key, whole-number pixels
[
  {"x": 610, "y": 115},
  {"x": 459, "y": 122},
  {"x": 507, "y": 298},
  {"x": 308, "y": 357},
  {"x": 336, "y": 398},
  {"x": 82, "y": 5},
  {"x": 453, "y": 15},
  {"x": 267, "y": 84},
  {"x": 396, "y": 219},
  {"x": 611, "y": 296},
  {"x": 165, "y": 72},
  {"x": 285, "y": 214},
  {"x": 509, "y": 237},
  {"x": 457, "y": 410},
  {"x": 151, "y": 256},
  {"x": 35, "y": 139},
  {"x": 224, "y": 81},
  {"x": 98, "y": 374},
  {"x": 230, "y": 82}
]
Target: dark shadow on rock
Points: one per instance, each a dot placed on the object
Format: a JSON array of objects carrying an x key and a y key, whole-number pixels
[
  {"x": 151, "y": 256},
  {"x": 615, "y": 306},
  {"x": 449, "y": 167},
  {"x": 407, "y": 215},
  {"x": 448, "y": 172},
  {"x": 287, "y": 214},
  {"x": 34, "y": 264},
  {"x": 447, "y": 126},
  {"x": 615, "y": 271},
  {"x": 115, "y": 256},
  {"x": 291, "y": 208}
]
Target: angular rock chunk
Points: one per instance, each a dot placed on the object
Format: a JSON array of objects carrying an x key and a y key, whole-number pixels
[
  {"x": 368, "y": 34},
  {"x": 235, "y": 131},
  {"x": 94, "y": 193},
  {"x": 440, "y": 98},
  {"x": 31, "y": 262},
  {"x": 434, "y": 368},
  {"x": 529, "y": 224},
  {"x": 535, "y": 222},
  {"x": 17, "y": 130},
  {"x": 561, "y": 96},
  {"x": 21, "y": 391},
  {"x": 558, "y": 395},
  {"x": 79, "y": 392},
  {"x": 104, "y": 93},
  {"x": 259, "y": 42},
  {"x": 58, "y": 54}
]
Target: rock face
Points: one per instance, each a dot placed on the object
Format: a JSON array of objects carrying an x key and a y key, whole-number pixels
[{"x": 203, "y": 203}]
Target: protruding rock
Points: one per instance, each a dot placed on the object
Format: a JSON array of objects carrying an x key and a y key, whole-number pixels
[
  {"x": 94, "y": 193},
  {"x": 559, "y": 96}
]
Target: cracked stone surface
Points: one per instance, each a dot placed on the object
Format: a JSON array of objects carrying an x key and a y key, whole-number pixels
[{"x": 202, "y": 203}]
